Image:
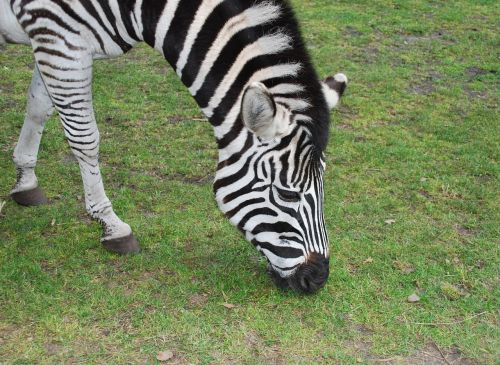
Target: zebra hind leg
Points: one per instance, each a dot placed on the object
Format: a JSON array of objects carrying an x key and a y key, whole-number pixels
[
  {"x": 68, "y": 77},
  {"x": 39, "y": 108}
]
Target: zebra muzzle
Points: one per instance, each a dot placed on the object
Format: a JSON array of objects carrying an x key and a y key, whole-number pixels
[{"x": 309, "y": 277}]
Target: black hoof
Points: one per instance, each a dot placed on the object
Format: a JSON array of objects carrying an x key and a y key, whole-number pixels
[
  {"x": 30, "y": 198},
  {"x": 123, "y": 245}
]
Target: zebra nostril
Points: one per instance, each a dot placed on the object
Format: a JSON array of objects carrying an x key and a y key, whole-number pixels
[{"x": 311, "y": 276}]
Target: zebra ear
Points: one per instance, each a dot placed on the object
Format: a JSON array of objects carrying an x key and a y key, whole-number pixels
[
  {"x": 258, "y": 110},
  {"x": 333, "y": 88}
]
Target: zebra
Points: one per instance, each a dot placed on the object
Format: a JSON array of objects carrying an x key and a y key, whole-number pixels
[{"x": 245, "y": 64}]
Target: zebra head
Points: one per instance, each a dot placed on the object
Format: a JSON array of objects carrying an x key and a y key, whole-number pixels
[{"x": 271, "y": 186}]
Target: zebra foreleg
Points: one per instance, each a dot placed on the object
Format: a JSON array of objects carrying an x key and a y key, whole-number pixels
[
  {"x": 68, "y": 78},
  {"x": 39, "y": 108}
]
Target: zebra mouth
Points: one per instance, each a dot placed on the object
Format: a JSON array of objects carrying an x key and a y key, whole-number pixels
[{"x": 307, "y": 279}]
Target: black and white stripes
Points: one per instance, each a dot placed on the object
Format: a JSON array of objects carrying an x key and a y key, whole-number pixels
[{"x": 244, "y": 63}]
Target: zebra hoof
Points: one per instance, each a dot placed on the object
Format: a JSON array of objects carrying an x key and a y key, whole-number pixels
[
  {"x": 123, "y": 245},
  {"x": 30, "y": 198}
]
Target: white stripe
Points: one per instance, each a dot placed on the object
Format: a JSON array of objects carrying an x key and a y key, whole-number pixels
[
  {"x": 104, "y": 19},
  {"x": 251, "y": 17},
  {"x": 303, "y": 118},
  {"x": 164, "y": 23},
  {"x": 115, "y": 8},
  {"x": 263, "y": 46},
  {"x": 286, "y": 89},
  {"x": 293, "y": 103},
  {"x": 204, "y": 11},
  {"x": 138, "y": 17}
]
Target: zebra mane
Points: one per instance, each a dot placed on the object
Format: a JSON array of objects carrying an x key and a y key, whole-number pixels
[{"x": 319, "y": 113}]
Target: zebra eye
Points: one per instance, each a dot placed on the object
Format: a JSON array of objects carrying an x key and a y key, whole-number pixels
[{"x": 288, "y": 195}]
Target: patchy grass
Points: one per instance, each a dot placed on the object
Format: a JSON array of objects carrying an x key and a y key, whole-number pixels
[{"x": 411, "y": 206}]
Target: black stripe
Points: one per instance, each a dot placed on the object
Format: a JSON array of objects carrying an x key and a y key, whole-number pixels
[
  {"x": 278, "y": 227},
  {"x": 259, "y": 211},
  {"x": 236, "y": 156},
  {"x": 45, "y": 14},
  {"x": 235, "y": 177},
  {"x": 176, "y": 35},
  {"x": 69, "y": 11},
  {"x": 246, "y": 203},
  {"x": 231, "y": 135},
  {"x": 207, "y": 35},
  {"x": 52, "y": 52},
  {"x": 151, "y": 12}
]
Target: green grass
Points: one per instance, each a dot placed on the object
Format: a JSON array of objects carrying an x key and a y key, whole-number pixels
[{"x": 416, "y": 140}]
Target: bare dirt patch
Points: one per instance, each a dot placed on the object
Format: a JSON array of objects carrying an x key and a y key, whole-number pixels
[
  {"x": 433, "y": 355},
  {"x": 439, "y": 35},
  {"x": 473, "y": 72},
  {"x": 425, "y": 85},
  {"x": 53, "y": 348},
  {"x": 474, "y": 94},
  {"x": 197, "y": 300},
  {"x": 267, "y": 354},
  {"x": 464, "y": 231},
  {"x": 429, "y": 355},
  {"x": 350, "y": 31}
]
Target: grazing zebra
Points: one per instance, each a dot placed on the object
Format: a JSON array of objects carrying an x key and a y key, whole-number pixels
[{"x": 246, "y": 66}]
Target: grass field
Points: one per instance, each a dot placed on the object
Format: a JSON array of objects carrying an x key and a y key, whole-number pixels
[{"x": 412, "y": 197}]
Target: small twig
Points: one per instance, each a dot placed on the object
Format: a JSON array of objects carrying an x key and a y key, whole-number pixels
[
  {"x": 2, "y": 204},
  {"x": 449, "y": 323},
  {"x": 442, "y": 355}
]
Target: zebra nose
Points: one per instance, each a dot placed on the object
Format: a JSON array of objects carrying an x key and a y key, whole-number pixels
[{"x": 312, "y": 275}]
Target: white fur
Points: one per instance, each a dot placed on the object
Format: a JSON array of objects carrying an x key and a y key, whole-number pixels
[
  {"x": 270, "y": 44},
  {"x": 164, "y": 23},
  {"x": 340, "y": 77},
  {"x": 259, "y": 14},
  {"x": 331, "y": 96},
  {"x": 204, "y": 11},
  {"x": 9, "y": 26}
]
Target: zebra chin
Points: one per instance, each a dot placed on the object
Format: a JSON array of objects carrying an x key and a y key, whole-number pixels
[{"x": 308, "y": 278}]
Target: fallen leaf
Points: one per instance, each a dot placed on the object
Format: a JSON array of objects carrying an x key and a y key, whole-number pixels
[
  {"x": 229, "y": 305},
  {"x": 413, "y": 298},
  {"x": 390, "y": 221},
  {"x": 369, "y": 260},
  {"x": 2, "y": 204},
  {"x": 53, "y": 222},
  {"x": 423, "y": 179},
  {"x": 164, "y": 355}
]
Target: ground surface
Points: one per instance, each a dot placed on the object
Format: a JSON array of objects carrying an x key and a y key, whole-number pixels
[{"x": 411, "y": 205}]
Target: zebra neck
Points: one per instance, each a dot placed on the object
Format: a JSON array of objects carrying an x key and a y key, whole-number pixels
[{"x": 220, "y": 47}]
